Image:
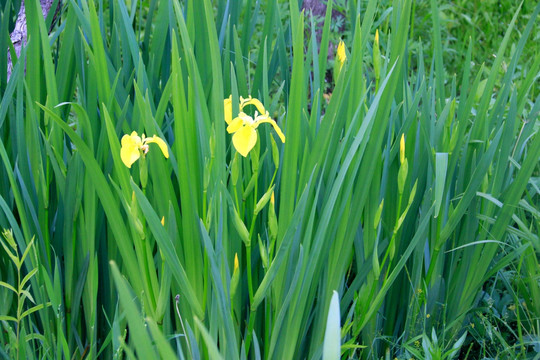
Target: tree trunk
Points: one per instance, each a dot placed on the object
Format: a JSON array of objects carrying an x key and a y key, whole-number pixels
[{"x": 19, "y": 34}]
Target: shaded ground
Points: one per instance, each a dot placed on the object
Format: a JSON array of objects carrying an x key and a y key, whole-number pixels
[{"x": 318, "y": 9}]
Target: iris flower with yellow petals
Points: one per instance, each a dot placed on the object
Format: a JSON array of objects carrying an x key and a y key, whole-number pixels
[
  {"x": 244, "y": 127},
  {"x": 133, "y": 146}
]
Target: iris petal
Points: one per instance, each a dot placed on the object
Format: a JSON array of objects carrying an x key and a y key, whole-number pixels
[
  {"x": 244, "y": 140},
  {"x": 227, "y": 108},
  {"x": 255, "y": 102},
  {"x": 235, "y": 125},
  {"x": 266, "y": 119},
  {"x": 161, "y": 144},
  {"x": 129, "y": 153}
]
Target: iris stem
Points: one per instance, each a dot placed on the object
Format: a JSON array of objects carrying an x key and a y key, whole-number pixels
[
  {"x": 249, "y": 333},
  {"x": 248, "y": 248},
  {"x": 250, "y": 281},
  {"x": 146, "y": 258},
  {"x": 392, "y": 241}
]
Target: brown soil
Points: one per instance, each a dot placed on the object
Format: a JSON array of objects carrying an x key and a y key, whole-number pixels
[{"x": 318, "y": 9}]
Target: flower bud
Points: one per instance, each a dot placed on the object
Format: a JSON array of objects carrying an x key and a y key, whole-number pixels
[
  {"x": 377, "y": 57},
  {"x": 235, "y": 278},
  {"x": 235, "y": 170},
  {"x": 264, "y": 254},
  {"x": 275, "y": 152},
  {"x": 402, "y": 176},
  {"x": 263, "y": 201},
  {"x": 272, "y": 219},
  {"x": 241, "y": 227},
  {"x": 250, "y": 186},
  {"x": 402, "y": 149},
  {"x": 378, "y": 215},
  {"x": 341, "y": 54}
]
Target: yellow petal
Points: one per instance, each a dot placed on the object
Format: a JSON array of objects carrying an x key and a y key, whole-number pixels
[
  {"x": 227, "y": 109},
  {"x": 341, "y": 55},
  {"x": 162, "y": 145},
  {"x": 244, "y": 139},
  {"x": 402, "y": 149},
  {"x": 132, "y": 139},
  {"x": 255, "y": 102},
  {"x": 266, "y": 119},
  {"x": 129, "y": 153},
  {"x": 235, "y": 125}
]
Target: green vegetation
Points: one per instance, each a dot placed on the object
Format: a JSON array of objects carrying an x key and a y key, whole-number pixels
[{"x": 397, "y": 218}]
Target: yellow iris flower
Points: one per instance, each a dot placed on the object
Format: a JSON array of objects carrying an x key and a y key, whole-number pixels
[
  {"x": 244, "y": 127},
  {"x": 133, "y": 146}
]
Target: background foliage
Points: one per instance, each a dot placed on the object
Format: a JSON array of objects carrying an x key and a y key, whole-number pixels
[{"x": 432, "y": 248}]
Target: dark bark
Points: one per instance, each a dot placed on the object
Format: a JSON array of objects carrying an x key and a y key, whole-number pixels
[{"x": 19, "y": 34}]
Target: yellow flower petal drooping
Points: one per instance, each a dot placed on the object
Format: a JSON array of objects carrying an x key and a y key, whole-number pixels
[
  {"x": 266, "y": 119},
  {"x": 133, "y": 146},
  {"x": 245, "y": 138},
  {"x": 160, "y": 143},
  {"x": 244, "y": 127},
  {"x": 227, "y": 109}
]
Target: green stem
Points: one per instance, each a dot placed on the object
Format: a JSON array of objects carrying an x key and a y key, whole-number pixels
[
  {"x": 204, "y": 206},
  {"x": 249, "y": 278},
  {"x": 267, "y": 323},
  {"x": 19, "y": 306},
  {"x": 248, "y": 248},
  {"x": 182, "y": 323},
  {"x": 146, "y": 266},
  {"x": 248, "y": 260},
  {"x": 432, "y": 264},
  {"x": 236, "y": 198},
  {"x": 392, "y": 241},
  {"x": 436, "y": 251},
  {"x": 206, "y": 280},
  {"x": 249, "y": 333}
]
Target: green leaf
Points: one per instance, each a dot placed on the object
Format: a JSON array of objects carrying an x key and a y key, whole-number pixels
[
  {"x": 166, "y": 245},
  {"x": 211, "y": 345},
  {"x": 28, "y": 277},
  {"x": 441, "y": 165},
  {"x": 8, "y": 286},
  {"x": 332, "y": 335},
  {"x": 106, "y": 196},
  {"x": 7, "y": 318},
  {"x": 34, "y": 309},
  {"x": 137, "y": 326}
]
